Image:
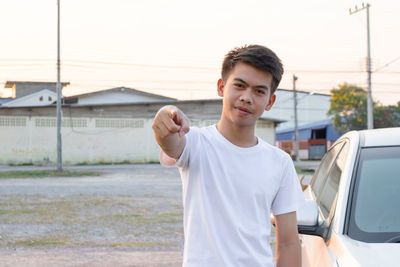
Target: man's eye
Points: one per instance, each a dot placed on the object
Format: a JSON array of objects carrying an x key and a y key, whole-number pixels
[
  {"x": 261, "y": 92},
  {"x": 239, "y": 85}
]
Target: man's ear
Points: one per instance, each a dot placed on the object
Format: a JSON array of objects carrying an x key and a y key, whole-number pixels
[
  {"x": 220, "y": 88},
  {"x": 271, "y": 101}
]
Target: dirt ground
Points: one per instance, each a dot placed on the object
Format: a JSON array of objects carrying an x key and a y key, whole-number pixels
[
  {"x": 131, "y": 215},
  {"x": 90, "y": 257}
]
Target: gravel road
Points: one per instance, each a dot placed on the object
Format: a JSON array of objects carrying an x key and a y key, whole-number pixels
[
  {"x": 90, "y": 257},
  {"x": 131, "y": 215}
]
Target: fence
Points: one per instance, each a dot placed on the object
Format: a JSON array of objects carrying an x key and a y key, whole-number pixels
[{"x": 87, "y": 140}]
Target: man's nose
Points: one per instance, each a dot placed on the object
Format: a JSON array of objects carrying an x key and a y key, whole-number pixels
[{"x": 246, "y": 96}]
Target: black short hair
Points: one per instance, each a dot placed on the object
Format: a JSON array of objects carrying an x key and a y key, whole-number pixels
[{"x": 257, "y": 56}]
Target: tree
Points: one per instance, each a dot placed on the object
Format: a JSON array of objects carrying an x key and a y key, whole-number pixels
[
  {"x": 348, "y": 108},
  {"x": 387, "y": 116}
]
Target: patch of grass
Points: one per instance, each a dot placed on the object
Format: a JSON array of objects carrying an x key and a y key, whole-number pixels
[
  {"x": 16, "y": 212},
  {"x": 136, "y": 244},
  {"x": 21, "y": 164},
  {"x": 45, "y": 241},
  {"x": 90, "y": 221},
  {"x": 304, "y": 171},
  {"x": 47, "y": 173},
  {"x": 85, "y": 163},
  {"x": 145, "y": 218},
  {"x": 169, "y": 217},
  {"x": 98, "y": 210},
  {"x": 124, "y": 162},
  {"x": 62, "y": 241}
]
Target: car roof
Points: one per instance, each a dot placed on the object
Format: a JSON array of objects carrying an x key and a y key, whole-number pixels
[{"x": 381, "y": 137}]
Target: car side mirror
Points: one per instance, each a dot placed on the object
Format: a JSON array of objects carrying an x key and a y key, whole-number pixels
[
  {"x": 305, "y": 181},
  {"x": 307, "y": 215},
  {"x": 307, "y": 220}
]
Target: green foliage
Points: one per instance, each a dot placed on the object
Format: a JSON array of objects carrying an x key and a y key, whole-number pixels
[
  {"x": 387, "y": 116},
  {"x": 349, "y": 110}
]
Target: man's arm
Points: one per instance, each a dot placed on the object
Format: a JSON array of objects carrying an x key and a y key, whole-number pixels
[
  {"x": 288, "y": 250},
  {"x": 170, "y": 125}
]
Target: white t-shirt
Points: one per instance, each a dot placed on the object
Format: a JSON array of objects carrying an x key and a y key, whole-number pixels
[{"x": 228, "y": 195}]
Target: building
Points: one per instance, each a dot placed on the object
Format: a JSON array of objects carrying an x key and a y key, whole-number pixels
[
  {"x": 42, "y": 97},
  {"x": 314, "y": 139},
  {"x": 23, "y": 88},
  {"x": 101, "y": 133},
  {"x": 114, "y": 125},
  {"x": 311, "y": 107},
  {"x": 114, "y": 96},
  {"x": 30, "y": 93}
]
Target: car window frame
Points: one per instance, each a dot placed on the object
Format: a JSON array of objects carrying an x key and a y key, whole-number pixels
[
  {"x": 327, "y": 221},
  {"x": 313, "y": 180},
  {"x": 345, "y": 146},
  {"x": 332, "y": 210}
]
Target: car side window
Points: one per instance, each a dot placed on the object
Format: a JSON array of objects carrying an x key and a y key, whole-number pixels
[
  {"x": 331, "y": 186},
  {"x": 321, "y": 173}
]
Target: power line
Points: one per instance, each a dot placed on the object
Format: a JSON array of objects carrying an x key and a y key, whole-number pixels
[
  {"x": 91, "y": 62},
  {"x": 387, "y": 64},
  {"x": 102, "y": 64}
]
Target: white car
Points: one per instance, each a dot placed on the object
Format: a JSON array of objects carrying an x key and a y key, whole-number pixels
[{"x": 352, "y": 213}]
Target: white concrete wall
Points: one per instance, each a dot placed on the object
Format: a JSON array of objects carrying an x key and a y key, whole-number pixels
[
  {"x": 15, "y": 139},
  {"x": 84, "y": 140},
  {"x": 303, "y": 154},
  {"x": 88, "y": 140},
  {"x": 266, "y": 131}
]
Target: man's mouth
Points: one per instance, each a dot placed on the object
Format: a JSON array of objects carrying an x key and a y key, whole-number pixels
[{"x": 243, "y": 110}]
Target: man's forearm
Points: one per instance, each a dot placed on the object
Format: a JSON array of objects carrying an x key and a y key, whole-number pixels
[
  {"x": 288, "y": 255},
  {"x": 172, "y": 145}
]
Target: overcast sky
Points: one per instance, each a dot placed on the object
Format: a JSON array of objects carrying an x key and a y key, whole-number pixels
[{"x": 176, "y": 47}]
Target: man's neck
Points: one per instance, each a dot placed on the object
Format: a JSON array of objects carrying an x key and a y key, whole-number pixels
[{"x": 242, "y": 136}]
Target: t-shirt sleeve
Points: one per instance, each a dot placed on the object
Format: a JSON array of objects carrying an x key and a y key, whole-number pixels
[
  {"x": 289, "y": 197},
  {"x": 183, "y": 160}
]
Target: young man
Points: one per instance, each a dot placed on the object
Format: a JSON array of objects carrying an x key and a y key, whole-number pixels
[{"x": 231, "y": 179}]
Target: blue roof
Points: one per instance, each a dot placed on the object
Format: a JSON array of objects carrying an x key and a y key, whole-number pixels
[
  {"x": 5, "y": 100},
  {"x": 306, "y": 130}
]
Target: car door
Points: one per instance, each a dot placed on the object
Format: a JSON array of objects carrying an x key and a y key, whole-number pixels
[{"x": 324, "y": 187}]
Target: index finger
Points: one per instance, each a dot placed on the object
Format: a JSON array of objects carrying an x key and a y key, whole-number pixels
[
  {"x": 177, "y": 116},
  {"x": 185, "y": 126}
]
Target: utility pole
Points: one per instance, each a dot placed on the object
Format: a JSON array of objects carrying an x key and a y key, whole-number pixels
[
  {"x": 296, "y": 130},
  {"x": 59, "y": 144},
  {"x": 370, "y": 103}
]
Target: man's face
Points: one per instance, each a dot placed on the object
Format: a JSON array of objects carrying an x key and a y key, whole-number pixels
[{"x": 246, "y": 94}]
